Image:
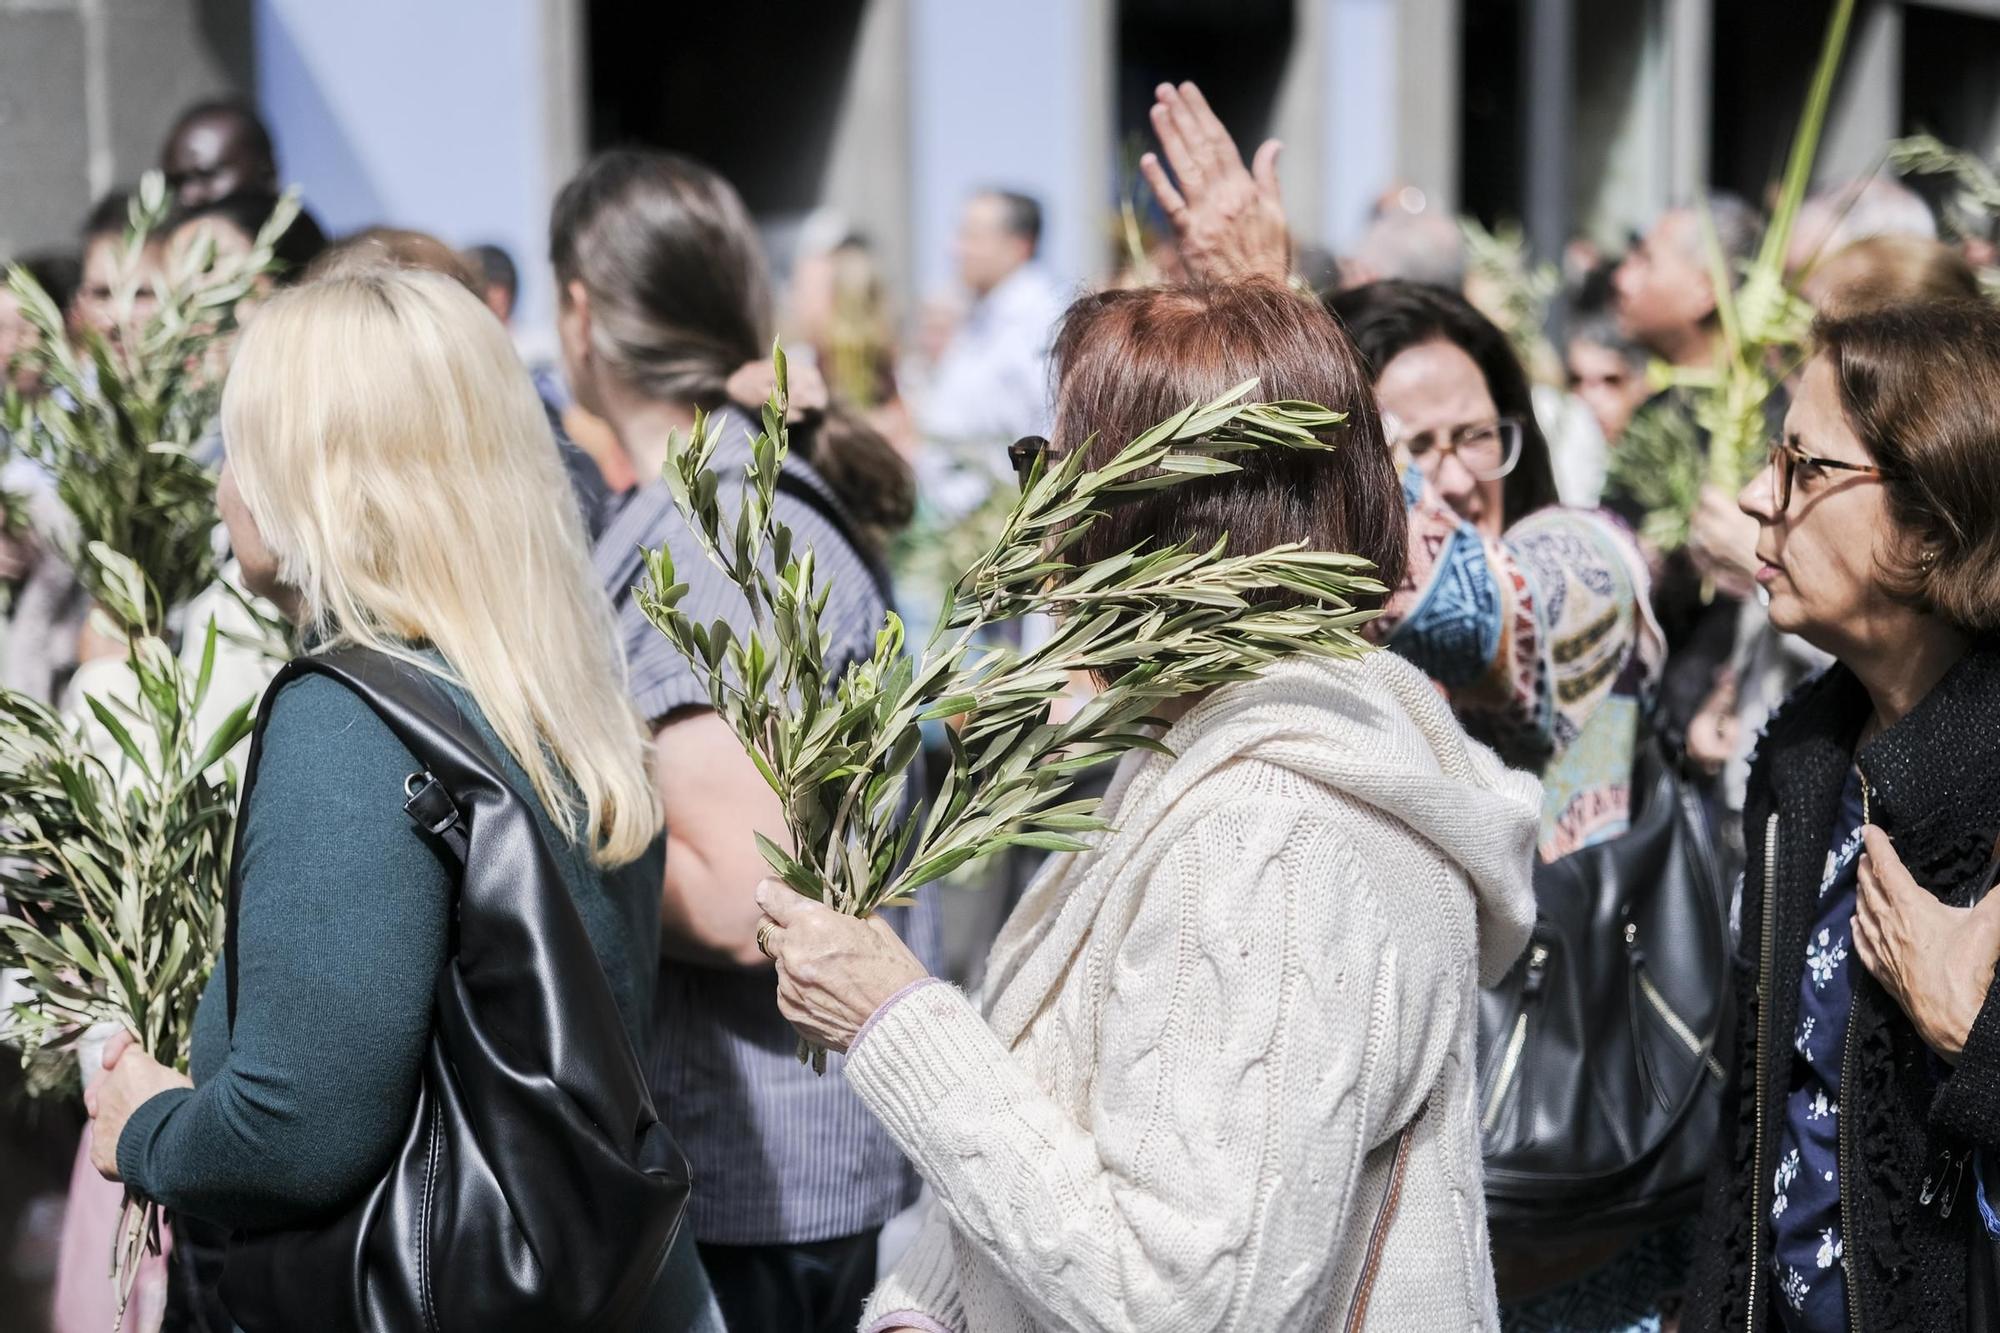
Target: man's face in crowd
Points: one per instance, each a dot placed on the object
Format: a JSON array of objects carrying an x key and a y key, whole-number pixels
[
  {"x": 986, "y": 251},
  {"x": 212, "y": 158},
  {"x": 1664, "y": 291}
]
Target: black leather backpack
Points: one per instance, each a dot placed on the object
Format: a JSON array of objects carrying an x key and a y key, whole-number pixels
[
  {"x": 535, "y": 1189},
  {"x": 1602, "y": 1053}
]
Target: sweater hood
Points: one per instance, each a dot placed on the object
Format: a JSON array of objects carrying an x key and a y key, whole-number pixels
[{"x": 1377, "y": 729}]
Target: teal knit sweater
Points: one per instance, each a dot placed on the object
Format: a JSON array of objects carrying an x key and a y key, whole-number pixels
[{"x": 341, "y": 935}]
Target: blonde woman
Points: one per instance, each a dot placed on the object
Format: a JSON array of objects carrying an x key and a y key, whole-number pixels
[{"x": 389, "y": 485}]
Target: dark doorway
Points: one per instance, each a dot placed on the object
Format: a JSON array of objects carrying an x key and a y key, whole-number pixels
[
  {"x": 1492, "y": 127},
  {"x": 1235, "y": 50},
  {"x": 750, "y": 88},
  {"x": 1765, "y": 51}
]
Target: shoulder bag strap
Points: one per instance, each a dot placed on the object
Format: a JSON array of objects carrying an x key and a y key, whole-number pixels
[
  {"x": 427, "y": 803},
  {"x": 1378, "y": 1234}
]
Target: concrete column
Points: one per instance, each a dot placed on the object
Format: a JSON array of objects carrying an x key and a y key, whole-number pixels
[
  {"x": 1390, "y": 105},
  {"x": 1550, "y": 42},
  {"x": 1619, "y": 170},
  {"x": 1015, "y": 95},
  {"x": 1427, "y": 99},
  {"x": 868, "y": 160},
  {"x": 88, "y": 89},
  {"x": 1359, "y": 40},
  {"x": 1867, "y": 106},
  {"x": 565, "y": 82},
  {"x": 1299, "y": 121},
  {"x": 1690, "y": 32}
]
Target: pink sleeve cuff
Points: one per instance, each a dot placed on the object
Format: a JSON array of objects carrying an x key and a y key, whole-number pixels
[
  {"x": 884, "y": 1008},
  {"x": 906, "y": 1318}
]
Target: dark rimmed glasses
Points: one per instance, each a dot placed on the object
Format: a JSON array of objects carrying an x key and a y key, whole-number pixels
[
  {"x": 1488, "y": 449},
  {"x": 1785, "y": 460},
  {"x": 1023, "y": 452}
]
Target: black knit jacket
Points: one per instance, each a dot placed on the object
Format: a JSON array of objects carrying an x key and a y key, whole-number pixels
[{"x": 1934, "y": 781}]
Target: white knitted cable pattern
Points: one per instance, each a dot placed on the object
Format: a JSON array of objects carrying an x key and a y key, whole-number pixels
[{"x": 1200, "y": 1041}]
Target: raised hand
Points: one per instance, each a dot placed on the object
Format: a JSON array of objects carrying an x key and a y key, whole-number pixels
[{"x": 1230, "y": 220}]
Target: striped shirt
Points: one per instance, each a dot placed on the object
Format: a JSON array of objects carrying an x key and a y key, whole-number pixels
[{"x": 779, "y": 1154}]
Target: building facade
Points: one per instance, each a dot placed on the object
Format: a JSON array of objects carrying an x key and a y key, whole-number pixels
[{"x": 464, "y": 116}]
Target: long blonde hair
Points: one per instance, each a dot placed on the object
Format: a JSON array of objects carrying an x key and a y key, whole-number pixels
[{"x": 398, "y": 465}]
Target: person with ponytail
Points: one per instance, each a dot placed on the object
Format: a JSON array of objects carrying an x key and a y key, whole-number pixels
[{"x": 666, "y": 310}]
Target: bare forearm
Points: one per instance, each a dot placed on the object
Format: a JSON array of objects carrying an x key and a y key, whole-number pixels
[{"x": 708, "y": 915}]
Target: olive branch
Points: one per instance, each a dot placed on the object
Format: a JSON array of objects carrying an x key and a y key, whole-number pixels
[
  {"x": 1151, "y": 624},
  {"x": 120, "y": 417}
]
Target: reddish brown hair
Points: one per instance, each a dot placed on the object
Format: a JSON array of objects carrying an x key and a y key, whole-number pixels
[
  {"x": 1126, "y": 360},
  {"x": 1920, "y": 385}
]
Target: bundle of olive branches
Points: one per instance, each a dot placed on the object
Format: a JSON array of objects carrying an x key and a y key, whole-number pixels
[
  {"x": 116, "y": 862},
  {"x": 120, "y": 417},
  {"x": 116, "y": 865},
  {"x": 1763, "y": 325},
  {"x": 1153, "y": 623}
]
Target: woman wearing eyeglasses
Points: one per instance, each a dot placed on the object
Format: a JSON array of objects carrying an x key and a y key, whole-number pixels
[
  {"x": 1866, "y": 1094},
  {"x": 1534, "y": 618}
]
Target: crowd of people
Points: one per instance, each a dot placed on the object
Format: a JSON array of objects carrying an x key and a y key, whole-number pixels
[{"x": 1232, "y": 1067}]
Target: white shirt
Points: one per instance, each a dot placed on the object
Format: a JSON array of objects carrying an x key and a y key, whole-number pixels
[{"x": 992, "y": 383}]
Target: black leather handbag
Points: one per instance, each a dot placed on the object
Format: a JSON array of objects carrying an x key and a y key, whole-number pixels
[
  {"x": 1602, "y": 1052},
  {"x": 535, "y": 1188}
]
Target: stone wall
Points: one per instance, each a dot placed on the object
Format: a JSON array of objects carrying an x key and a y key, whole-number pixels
[{"x": 88, "y": 89}]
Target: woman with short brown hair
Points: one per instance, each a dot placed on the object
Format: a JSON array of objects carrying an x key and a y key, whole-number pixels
[
  {"x": 1121, "y": 354},
  {"x": 1221, "y": 1075},
  {"x": 1868, "y": 1051}
]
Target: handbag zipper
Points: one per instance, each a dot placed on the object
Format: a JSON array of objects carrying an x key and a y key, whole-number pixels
[
  {"x": 1763, "y": 1023},
  {"x": 425, "y": 1286},
  {"x": 1510, "y": 1059},
  {"x": 1665, "y": 1009}
]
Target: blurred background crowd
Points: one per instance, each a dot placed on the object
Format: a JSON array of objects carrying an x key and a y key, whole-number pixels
[{"x": 934, "y": 182}]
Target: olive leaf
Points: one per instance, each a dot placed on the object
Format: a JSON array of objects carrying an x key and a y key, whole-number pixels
[{"x": 1153, "y": 623}]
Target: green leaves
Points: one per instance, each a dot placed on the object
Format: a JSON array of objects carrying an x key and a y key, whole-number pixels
[
  {"x": 114, "y": 847},
  {"x": 118, "y": 873},
  {"x": 835, "y": 745},
  {"x": 123, "y": 417}
]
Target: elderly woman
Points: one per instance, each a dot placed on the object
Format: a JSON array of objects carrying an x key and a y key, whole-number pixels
[
  {"x": 1221, "y": 1076},
  {"x": 1868, "y": 1055}
]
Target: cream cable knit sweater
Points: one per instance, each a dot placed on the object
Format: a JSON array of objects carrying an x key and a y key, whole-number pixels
[{"x": 1201, "y": 1041}]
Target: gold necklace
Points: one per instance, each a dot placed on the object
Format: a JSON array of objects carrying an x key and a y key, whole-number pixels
[{"x": 1866, "y": 818}]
